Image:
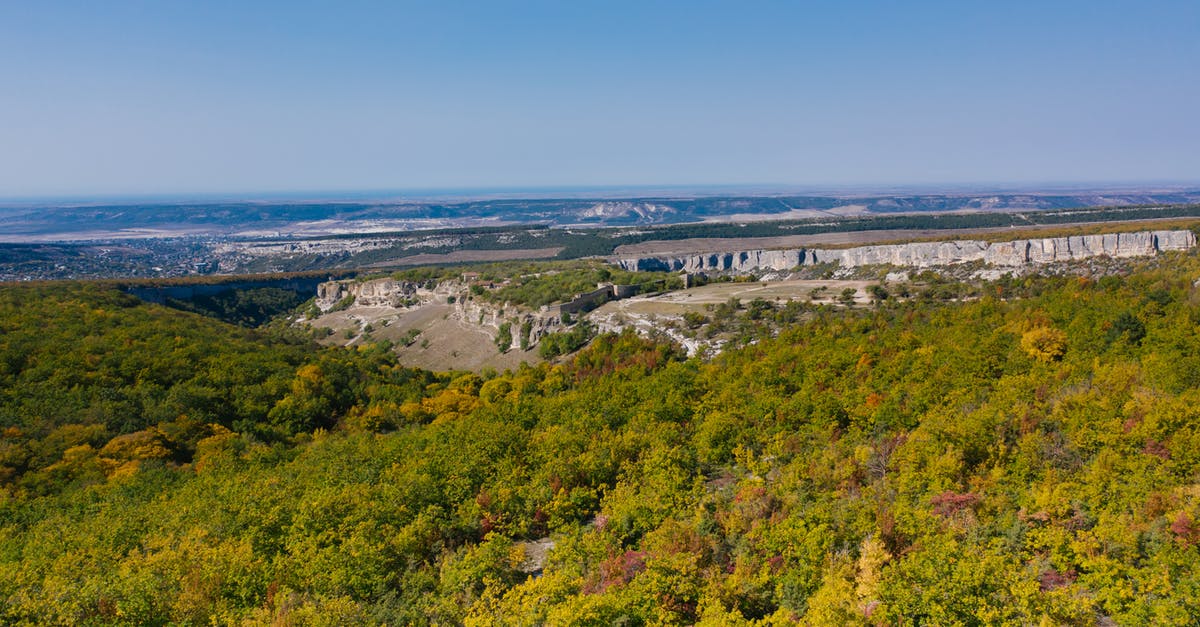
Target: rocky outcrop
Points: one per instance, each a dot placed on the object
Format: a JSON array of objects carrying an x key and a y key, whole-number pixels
[
  {"x": 373, "y": 293},
  {"x": 926, "y": 254},
  {"x": 490, "y": 316},
  {"x": 466, "y": 308}
]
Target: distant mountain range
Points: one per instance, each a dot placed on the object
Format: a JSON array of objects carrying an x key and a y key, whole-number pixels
[{"x": 293, "y": 218}]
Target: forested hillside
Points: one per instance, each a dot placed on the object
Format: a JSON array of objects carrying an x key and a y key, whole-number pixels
[{"x": 1029, "y": 456}]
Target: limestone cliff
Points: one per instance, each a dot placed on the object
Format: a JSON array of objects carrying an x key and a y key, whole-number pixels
[
  {"x": 407, "y": 295},
  {"x": 926, "y": 254},
  {"x": 373, "y": 293}
]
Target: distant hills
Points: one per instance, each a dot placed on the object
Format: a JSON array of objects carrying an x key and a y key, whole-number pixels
[{"x": 297, "y": 218}]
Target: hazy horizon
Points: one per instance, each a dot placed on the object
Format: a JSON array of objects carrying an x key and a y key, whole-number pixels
[{"x": 602, "y": 192}]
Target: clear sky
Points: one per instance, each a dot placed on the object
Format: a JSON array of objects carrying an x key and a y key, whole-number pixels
[{"x": 218, "y": 96}]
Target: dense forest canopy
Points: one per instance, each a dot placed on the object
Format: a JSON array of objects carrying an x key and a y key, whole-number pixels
[{"x": 1027, "y": 456}]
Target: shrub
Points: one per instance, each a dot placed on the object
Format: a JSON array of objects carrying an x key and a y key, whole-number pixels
[
  {"x": 504, "y": 337},
  {"x": 1045, "y": 344}
]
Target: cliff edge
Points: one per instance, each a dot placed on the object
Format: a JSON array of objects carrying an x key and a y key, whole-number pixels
[{"x": 1014, "y": 253}]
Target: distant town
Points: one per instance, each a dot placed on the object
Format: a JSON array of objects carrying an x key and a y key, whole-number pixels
[{"x": 176, "y": 240}]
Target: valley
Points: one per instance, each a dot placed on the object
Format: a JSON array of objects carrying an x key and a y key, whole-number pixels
[{"x": 723, "y": 299}]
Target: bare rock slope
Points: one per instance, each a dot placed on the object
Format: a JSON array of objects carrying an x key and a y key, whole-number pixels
[{"x": 477, "y": 314}]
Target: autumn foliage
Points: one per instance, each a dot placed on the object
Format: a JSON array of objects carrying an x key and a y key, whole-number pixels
[{"x": 995, "y": 461}]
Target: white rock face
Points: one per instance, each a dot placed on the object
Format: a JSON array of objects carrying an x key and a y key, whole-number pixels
[
  {"x": 474, "y": 312},
  {"x": 926, "y": 254},
  {"x": 374, "y": 293}
]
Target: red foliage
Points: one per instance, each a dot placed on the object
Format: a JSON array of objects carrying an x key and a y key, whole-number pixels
[
  {"x": 1051, "y": 579},
  {"x": 874, "y": 399},
  {"x": 1158, "y": 504},
  {"x": 1029, "y": 422},
  {"x": 885, "y": 520},
  {"x": 621, "y": 569},
  {"x": 1040, "y": 517},
  {"x": 1185, "y": 529},
  {"x": 949, "y": 503},
  {"x": 538, "y": 524},
  {"x": 753, "y": 502},
  {"x": 1157, "y": 449},
  {"x": 750, "y": 494},
  {"x": 272, "y": 590}
]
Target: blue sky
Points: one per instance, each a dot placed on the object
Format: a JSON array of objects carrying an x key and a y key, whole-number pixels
[{"x": 212, "y": 97}]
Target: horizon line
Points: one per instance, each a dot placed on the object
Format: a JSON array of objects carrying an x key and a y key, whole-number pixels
[{"x": 613, "y": 191}]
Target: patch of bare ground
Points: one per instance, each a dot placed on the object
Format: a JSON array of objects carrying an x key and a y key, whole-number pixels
[
  {"x": 697, "y": 298},
  {"x": 464, "y": 256},
  {"x": 664, "y": 314},
  {"x": 429, "y": 336}
]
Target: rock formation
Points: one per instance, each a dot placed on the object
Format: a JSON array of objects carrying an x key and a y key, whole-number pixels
[
  {"x": 925, "y": 254},
  {"x": 391, "y": 293},
  {"x": 374, "y": 293}
]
